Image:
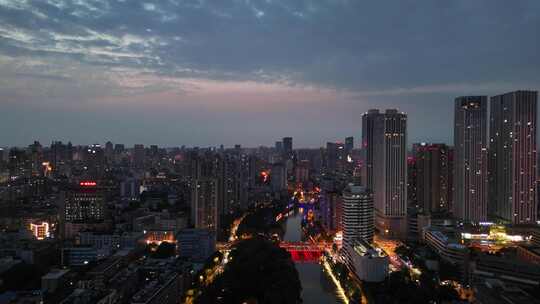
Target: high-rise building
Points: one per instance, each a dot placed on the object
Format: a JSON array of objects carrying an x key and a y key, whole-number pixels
[
  {"x": 139, "y": 156},
  {"x": 109, "y": 151},
  {"x": 335, "y": 157},
  {"x": 411, "y": 180},
  {"x": 60, "y": 154},
  {"x": 94, "y": 159},
  {"x": 119, "y": 149},
  {"x": 389, "y": 136},
  {"x": 228, "y": 174},
  {"x": 204, "y": 203},
  {"x": 302, "y": 171},
  {"x": 278, "y": 177},
  {"x": 287, "y": 146},
  {"x": 357, "y": 215},
  {"x": 84, "y": 203},
  {"x": 83, "y": 208},
  {"x": 433, "y": 180},
  {"x": 513, "y": 158},
  {"x": 349, "y": 145},
  {"x": 470, "y": 158},
  {"x": 368, "y": 123},
  {"x": 279, "y": 146}
]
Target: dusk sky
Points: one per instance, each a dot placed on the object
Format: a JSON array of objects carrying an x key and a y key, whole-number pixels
[{"x": 174, "y": 72}]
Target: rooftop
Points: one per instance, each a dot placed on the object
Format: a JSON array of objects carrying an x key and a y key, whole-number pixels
[{"x": 55, "y": 274}]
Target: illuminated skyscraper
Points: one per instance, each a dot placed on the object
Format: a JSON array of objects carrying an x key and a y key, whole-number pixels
[
  {"x": 470, "y": 158},
  {"x": 513, "y": 156},
  {"x": 389, "y": 137},
  {"x": 357, "y": 215}
]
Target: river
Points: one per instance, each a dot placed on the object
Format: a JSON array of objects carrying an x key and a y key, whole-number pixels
[{"x": 316, "y": 286}]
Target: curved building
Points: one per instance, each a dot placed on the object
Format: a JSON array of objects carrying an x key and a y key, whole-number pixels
[{"x": 357, "y": 214}]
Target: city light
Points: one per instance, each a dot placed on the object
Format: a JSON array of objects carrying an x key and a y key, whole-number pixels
[
  {"x": 340, "y": 290},
  {"x": 40, "y": 231},
  {"x": 496, "y": 234}
]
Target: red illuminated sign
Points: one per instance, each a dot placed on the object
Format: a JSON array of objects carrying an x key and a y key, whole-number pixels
[{"x": 87, "y": 184}]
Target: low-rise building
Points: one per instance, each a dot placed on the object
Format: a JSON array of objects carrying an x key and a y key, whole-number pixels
[
  {"x": 492, "y": 291},
  {"x": 368, "y": 263},
  {"x": 163, "y": 284},
  {"x": 91, "y": 296},
  {"x": 445, "y": 243},
  {"x": 53, "y": 280},
  {"x": 529, "y": 254},
  {"x": 104, "y": 271},
  {"x": 508, "y": 269},
  {"x": 107, "y": 243},
  {"x": 78, "y": 255},
  {"x": 196, "y": 244}
]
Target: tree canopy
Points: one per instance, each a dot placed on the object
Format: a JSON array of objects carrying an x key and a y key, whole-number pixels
[{"x": 259, "y": 271}]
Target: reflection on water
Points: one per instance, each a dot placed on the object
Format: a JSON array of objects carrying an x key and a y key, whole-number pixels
[
  {"x": 293, "y": 230},
  {"x": 316, "y": 286}
]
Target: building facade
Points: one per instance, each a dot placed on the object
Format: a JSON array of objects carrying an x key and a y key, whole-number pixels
[
  {"x": 470, "y": 159},
  {"x": 357, "y": 215},
  {"x": 513, "y": 157},
  {"x": 390, "y": 173},
  {"x": 204, "y": 203},
  {"x": 433, "y": 180},
  {"x": 368, "y": 123}
]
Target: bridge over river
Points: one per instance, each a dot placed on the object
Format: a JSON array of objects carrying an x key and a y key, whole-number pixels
[{"x": 305, "y": 251}]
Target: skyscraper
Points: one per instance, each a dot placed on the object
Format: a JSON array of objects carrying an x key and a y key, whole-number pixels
[
  {"x": 513, "y": 156},
  {"x": 139, "y": 156},
  {"x": 368, "y": 122},
  {"x": 109, "y": 151},
  {"x": 278, "y": 146},
  {"x": 389, "y": 135},
  {"x": 357, "y": 215},
  {"x": 470, "y": 158},
  {"x": 278, "y": 177},
  {"x": 335, "y": 157},
  {"x": 287, "y": 146},
  {"x": 433, "y": 177},
  {"x": 349, "y": 145},
  {"x": 204, "y": 203}
]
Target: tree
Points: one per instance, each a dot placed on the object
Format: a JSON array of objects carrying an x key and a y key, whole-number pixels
[
  {"x": 164, "y": 250},
  {"x": 257, "y": 270}
]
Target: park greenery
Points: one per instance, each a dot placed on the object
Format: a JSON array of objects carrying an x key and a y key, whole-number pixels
[{"x": 258, "y": 271}]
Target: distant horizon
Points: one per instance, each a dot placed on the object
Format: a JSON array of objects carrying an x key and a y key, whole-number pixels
[
  {"x": 448, "y": 140},
  {"x": 130, "y": 146}
]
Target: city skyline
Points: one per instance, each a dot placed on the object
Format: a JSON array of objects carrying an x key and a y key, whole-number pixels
[
  {"x": 155, "y": 72},
  {"x": 269, "y": 151},
  {"x": 358, "y": 136}
]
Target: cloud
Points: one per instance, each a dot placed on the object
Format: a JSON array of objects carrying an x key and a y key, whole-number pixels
[{"x": 342, "y": 54}]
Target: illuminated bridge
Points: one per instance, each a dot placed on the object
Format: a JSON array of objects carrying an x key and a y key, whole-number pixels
[{"x": 305, "y": 252}]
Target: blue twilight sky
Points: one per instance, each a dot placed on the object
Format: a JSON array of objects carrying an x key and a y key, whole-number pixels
[{"x": 199, "y": 72}]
